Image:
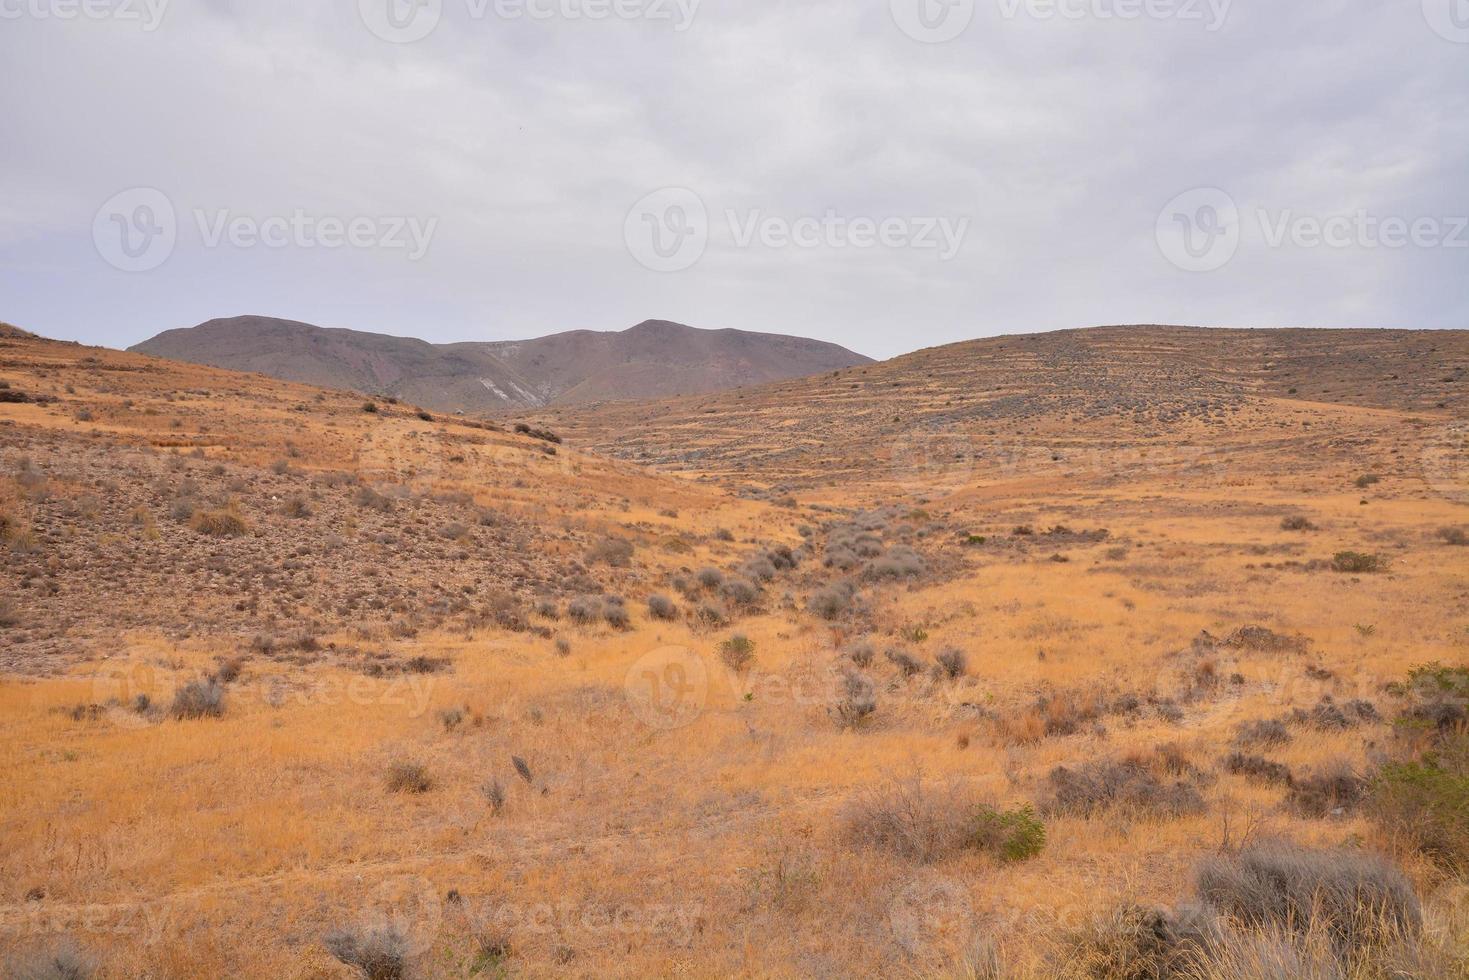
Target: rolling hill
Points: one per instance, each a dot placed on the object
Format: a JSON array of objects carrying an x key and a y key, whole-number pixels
[{"x": 655, "y": 359}]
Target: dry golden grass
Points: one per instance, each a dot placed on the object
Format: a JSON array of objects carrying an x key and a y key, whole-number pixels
[{"x": 660, "y": 814}]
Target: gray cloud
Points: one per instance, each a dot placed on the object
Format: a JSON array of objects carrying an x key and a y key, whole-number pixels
[{"x": 1060, "y": 141}]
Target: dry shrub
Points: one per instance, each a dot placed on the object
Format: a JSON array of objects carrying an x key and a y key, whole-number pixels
[
  {"x": 1264, "y": 640},
  {"x": 905, "y": 663},
  {"x": 372, "y": 500},
  {"x": 224, "y": 522},
  {"x": 831, "y": 602},
  {"x": 862, "y": 653},
  {"x": 63, "y": 961},
  {"x": 408, "y": 777},
  {"x": 198, "y": 699},
  {"x": 1271, "y": 912},
  {"x": 739, "y": 592},
  {"x": 614, "y": 611},
  {"x": 1258, "y": 769},
  {"x": 376, "y": 954},
  {"x": 1455, "y": 536},
  {"x": 1297, "y": 522},
  {"x": 1356, "y": 899},
  {"x": 953, "y": 663},
  {"x": 584, "y": 610},
  {"x": 662, "y": 607},
  {"x": 1138, "y": 785},
  {"x": 1137, "y": 943},
  {"x": 1055, "y": 714},
  {"x": 909, "y": 819},
  {"x": 1358, "y": 563},
  {"x": 296, "y": 507},
  {"x": 9, "y": 615},
  {"x": 1267, "y": 731},
  {"x": 616, "y": 552},
  {"x": 855, "y": 701},
  {"x": 1329, "y": 716},
  {"x": 1332, "y": 790}
]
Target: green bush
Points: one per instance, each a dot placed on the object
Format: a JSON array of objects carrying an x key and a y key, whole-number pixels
[
  {"x": 1425, "y": 804},
  {"x": 1010, "y": 835}
]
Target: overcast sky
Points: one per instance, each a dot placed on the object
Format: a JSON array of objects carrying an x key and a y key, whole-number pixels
[{"x": 885, "y": 174}]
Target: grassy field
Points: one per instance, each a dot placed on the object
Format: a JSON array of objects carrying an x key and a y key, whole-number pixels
[{"x": 986, "y": 705}]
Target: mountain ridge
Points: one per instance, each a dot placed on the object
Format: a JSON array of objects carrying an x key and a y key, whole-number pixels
[{"x": 653, "y": 359}]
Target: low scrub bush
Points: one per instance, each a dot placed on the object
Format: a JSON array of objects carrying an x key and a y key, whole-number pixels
[
  {"x": 855, "y": 701},
  {"x": 1130, "y": 785},
  {"x": 1009, "y": 835},
  {"x": 831, "y": 602},
  {"x": 737, "y": 652},
  {"x": 1358, "y": 562},
  {"x": 198, "y": 699},
  {"x": 662, "y": 607},
  {"x": 368, "y": 497},
  {"x": 1331, "y": 790},
  {"x": 905, "y": 663},
  {"x": 376, "y": 954},
  {"x": 64, "y": 960},
  {"x": 222, "y": 523},
  {"x": 1265, "y": 731},
  {"x": 1356, "y": 899},
  {"x": 1456, "y": 536},
  {"x": 1258, "y": 769},
  {"x": 952, "y": 663},
  {"x": 739, "y": 592},
  {"x": 1423, "y": 805},
  {"x": 616, "y": 552},
  {"x": 408, "y": 777},
  {"x": 909, "y": 819},
  {"x": 614, "y": 611}
]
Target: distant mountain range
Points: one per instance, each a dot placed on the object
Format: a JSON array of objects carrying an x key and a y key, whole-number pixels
[{"x": 654, "y": 359}]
